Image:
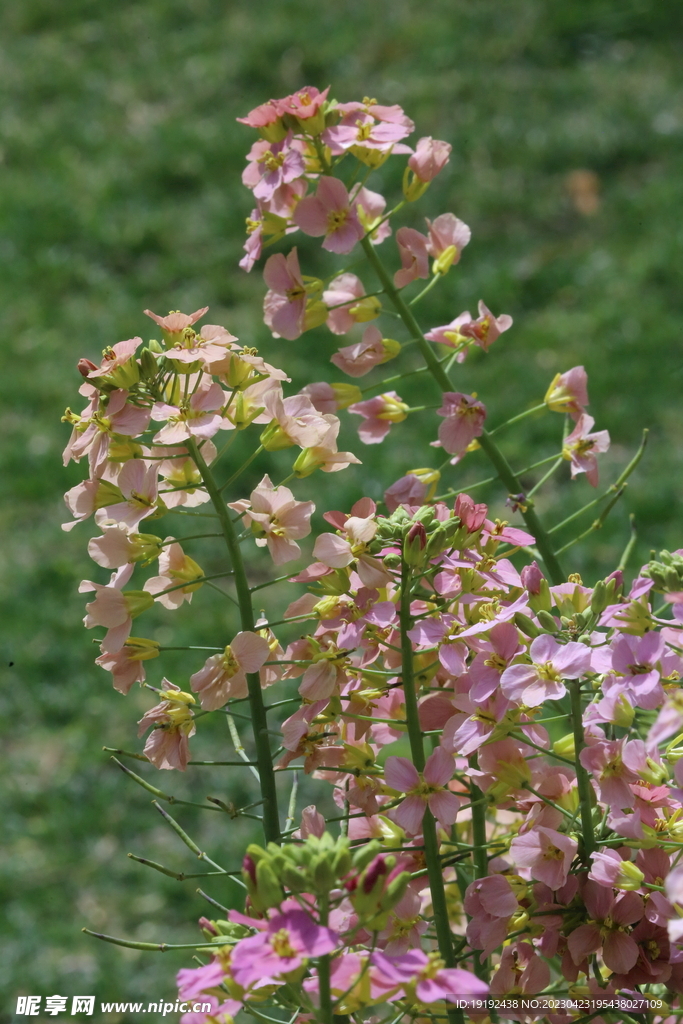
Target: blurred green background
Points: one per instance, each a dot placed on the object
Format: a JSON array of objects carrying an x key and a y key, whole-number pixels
[{"x": 120, "y": 189}]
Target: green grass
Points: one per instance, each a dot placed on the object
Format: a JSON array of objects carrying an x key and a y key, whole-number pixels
[{"x": 120, "y": 190}]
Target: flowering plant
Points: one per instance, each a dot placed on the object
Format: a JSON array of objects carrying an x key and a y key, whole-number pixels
[{"x": 523, "y": 838}]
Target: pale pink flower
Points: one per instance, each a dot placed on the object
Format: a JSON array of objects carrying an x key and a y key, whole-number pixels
[
  {"x": 114, "y": 608},
  {"x": 489, "y": 903},
  {"x": 608, "y": 868},
  {"x": 312, "y": 824},
  {"x": 173, "y": 724},
  {"x": 613, "y": 765},
  {"x": 338, "y": 552},
  {"x": 329, "y": 212},
  {"x": 449, "y": 334},
  {"x": 86, "y": 497},
  {"x": 126, "y": 666},
  {"x": 486, "y": 328},
  {"x": 359, "y": 129},
  {"x": 543, "y": 679},
  {"x": 370, "y": 208},
  {"x": 200, "y": 416},
  {"x": 272, "y": 165},
  {"x": 294, "y": 421},
  {"x": 175, "y": 568},
  {"x": 346, "y": 294},
  {"x": 223, "y": 677},
  {"x": 389, "y": 115},
  {"x": 568, "y": 392},
  {"x": 407, "y": 490},
  {"x": 116, "y": 416},
  {"x": 448, "y": 236},
  {"x": 430, "y": 158},
  {"x": 546, "y": 853},
  {"x": 116, "y": 358},
  {"x": 521, "y": 970},
  {"x": 137, "y": 483},
  {"x": 176, "y": 322},
  {"x": 119, "y": 545},
  {"x": 581, "y": 447},
  {"x": 210, "y": 346},
  {"x": 324, "y": 455},
  {"x": 276, "y": 519},
  {"x": 430, "y": 790},
  {"x": 432, "y": 982},
  {"x": 285, "y": 302},
  {"x": 378, "y": 414},
  {"x": 359, "y": 359},
  {"x": 412, "y": 248},
  {"x": 267, "y": 118},
  {"x": 464, "y": 420}
]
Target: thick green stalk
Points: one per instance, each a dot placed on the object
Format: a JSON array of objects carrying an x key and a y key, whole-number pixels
[
  {"x": 324, "y": 986},
  {"x": 582, "y": 781},
  {"x": 488, "y": 445},
  {"x": 430, "y": 839},
  {"x": 259, "y": 721}
]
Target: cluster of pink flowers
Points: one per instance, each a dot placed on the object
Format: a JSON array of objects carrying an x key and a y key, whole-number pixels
[{"x": 530, "y": 841}]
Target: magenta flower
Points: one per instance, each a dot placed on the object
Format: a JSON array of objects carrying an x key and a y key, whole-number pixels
[
  {"x": 546, "y": 853},
  {"x": 412, "y": 248},
  {"x": 378, "y": 414},
  {"x": 581, "y": 447},
  {"x": 464, "y": 420},
  {"x": 430, "y": 158},
  {"x": 330, "y": 213},
  {"x": 428, "y": 975},
  {"x": 285, "y": 302},
  {"x": 542, "y": 680},
  {"x": 428, "y": 790},
  {"x": 285, "y": 944}
]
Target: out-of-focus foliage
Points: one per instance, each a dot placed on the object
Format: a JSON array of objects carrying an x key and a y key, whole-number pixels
[{"x": 120, "y": 190}]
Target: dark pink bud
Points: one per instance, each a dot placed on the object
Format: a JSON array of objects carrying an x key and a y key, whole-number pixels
[
  {"x": 249, "y": 867},
  {"x": 618, "y": 578},
  {"x": 471, "y": 515},
  {"x": 378, "y": 866},
  {"x": 85, "y": 366},
  {"x": 417, "y": 532},
  {"x": 532, "y": 578},
  {"x": 207, "y": 926}
]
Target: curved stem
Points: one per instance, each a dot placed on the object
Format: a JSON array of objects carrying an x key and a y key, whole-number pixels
[{"x": 271, "y": 819}]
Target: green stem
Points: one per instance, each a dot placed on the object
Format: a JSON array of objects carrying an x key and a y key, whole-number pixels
[
  {"x": 431, "y": 842},
  {"x": 271, "y": 819},
  {"x": 598, "y": 523},
  {"x": 628, "y": 550},
  {"x": 582, "y": 780},
  {"x": 519, "y": 417},
  {"x": 488, "y": 445},
  {"x": 324, "y": 985},
  {"x": 546, "y": 476}
]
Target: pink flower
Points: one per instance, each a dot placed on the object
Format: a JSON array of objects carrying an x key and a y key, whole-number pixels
[
  {"x": 464, "y": 421},
  {"x": 430, "y": 158},
  {"x": 490, "y": 903},
  {"x": 338, "y": 552},
  {"x": 294, "y": 420},
  {"x": 613, "y": 766},
  {"x": 268, "y": 119},
  {"x": 176, "y": 322},
  {"x": 175, "y": 569},
  {"x": 430, "y": 979},
  {"x": 90, "y": 495},
  {"x": 378, "y": 414},
  {"x": 211, "y": 345},
  {"x": 272, "y": 165},
  {"x": 581, "y": 447},
  {"x": 448, "y": 236},
  {"x": 360, "y": 131},
  {"x": 330, "y": 213},
  {"x": 126, "y": 665},
  {"x": 114, "y": 416},
  {"x": 137, "y": 482},
  {"x": 542, "y": 680},
  {"x": 568, "y": 392},
  {"x": 173, "y": 724},
  {"x": 412, "y": 248},
  {"x": 346, "y": 294},
  {"x": 606, "y": 929},
  {"x": 285, "y": 302},
  {"x": 521, "y": 970},
  {"x": 546, "y": 853},
  {"x": 223, "y": 677},
  {"x": 407, "y": 490},
  {"x": 487, "y": 328},
  {"x": 285, "y": 944},
  {"x": 119, "y": 545},
  {"x": 324, "y": 455},
  {"x": 276, "y": 519},
  {"x": 359, "y": 359},
  {"x": 119, "y": 357},
  {"x": 114, "y": 608},
  {"x": 370, "y": 208},
  {"x": 429, "y": 790},
  {"x": 199, "y": 416},
  {"x": 183, "y": 484},
  {"x": 305, "y": 103}
]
